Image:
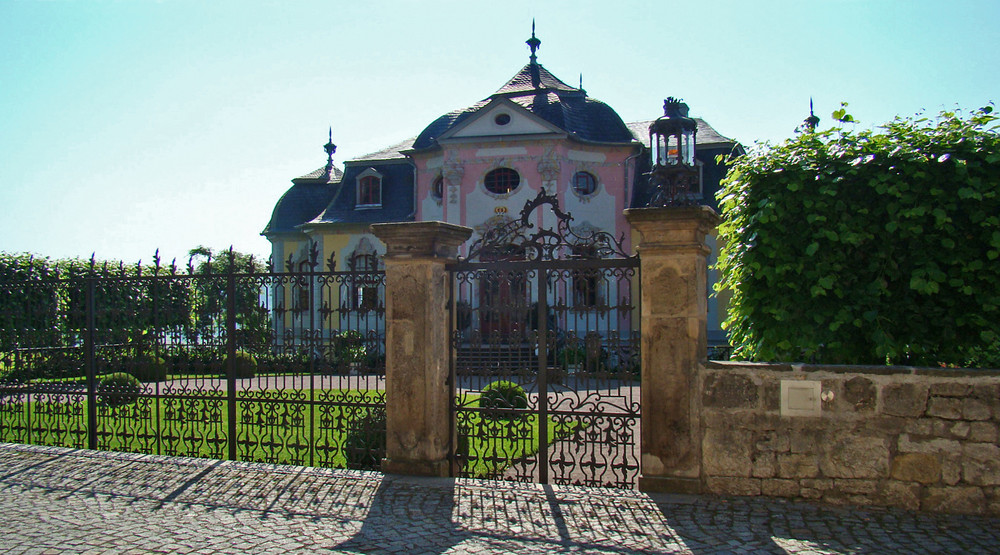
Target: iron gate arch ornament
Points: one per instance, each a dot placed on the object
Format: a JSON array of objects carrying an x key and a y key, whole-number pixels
[
  {"x": 520, "y": 235},
  {"x": 546, "y": 360}
]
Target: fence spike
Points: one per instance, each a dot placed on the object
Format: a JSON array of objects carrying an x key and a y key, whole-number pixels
[{"x": 313, "y": 255}]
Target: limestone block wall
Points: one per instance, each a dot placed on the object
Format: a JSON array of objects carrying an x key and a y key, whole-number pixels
[{"x": 915, "y": 438}]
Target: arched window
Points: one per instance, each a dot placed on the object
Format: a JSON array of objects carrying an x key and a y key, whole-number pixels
[
  {"x": 502, "y": 181},
  {"x": 437, "y": 190},
  {"x": 584, "y": 183},
  {"x": 364, "y": 283},
  {"x": 586, "y": 281}
]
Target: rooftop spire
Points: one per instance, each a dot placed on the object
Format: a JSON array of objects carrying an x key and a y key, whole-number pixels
[
  {"x": 330, "y": 148},
  {"x": 812, "y": 121},
  {"x": 533, "y": 43}
]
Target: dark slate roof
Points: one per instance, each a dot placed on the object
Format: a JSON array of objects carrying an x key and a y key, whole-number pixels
[
  {"x": 318, "y": 175},
  {"x": 706, "y": 134},
  {"x": 397, "y": 196},
  {"x": 304, "y": 201},
  {"x": 426, "y": 137},
  {"x": 552, "y": 100},
  {"x": 530, "y": 74},
  {"x": 393, "y": 152}
]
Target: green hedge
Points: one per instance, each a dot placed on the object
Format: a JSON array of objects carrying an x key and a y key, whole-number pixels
[{"x": 873, "y": 246}]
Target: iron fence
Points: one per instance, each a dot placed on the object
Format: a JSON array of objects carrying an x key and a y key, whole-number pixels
[{"x": 224, "y": 361}]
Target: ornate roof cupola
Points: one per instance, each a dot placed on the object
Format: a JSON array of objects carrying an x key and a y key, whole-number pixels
[
  {"x": 330, "y": 148},
  {"x": 534, "y": 44}
]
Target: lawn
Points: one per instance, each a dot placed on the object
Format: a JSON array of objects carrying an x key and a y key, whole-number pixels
[{"x": 273, "y": 426}]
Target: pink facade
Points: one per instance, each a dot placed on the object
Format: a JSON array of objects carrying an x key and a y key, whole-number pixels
[{"x": 540, "y": 163}]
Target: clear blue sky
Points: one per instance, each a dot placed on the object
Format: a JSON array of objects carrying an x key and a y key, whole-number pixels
[{"x": 132, "y": 125}]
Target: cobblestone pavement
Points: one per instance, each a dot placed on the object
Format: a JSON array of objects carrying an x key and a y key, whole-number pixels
[{"x": 59, "y": 500}]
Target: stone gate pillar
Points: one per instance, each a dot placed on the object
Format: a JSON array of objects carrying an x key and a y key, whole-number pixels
[
  {"x": 673, "y": 266},
  {"x": 417, "y": 393}
]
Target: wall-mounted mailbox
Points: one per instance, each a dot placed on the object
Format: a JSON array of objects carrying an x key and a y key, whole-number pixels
[{"x": 801, "y": 398}]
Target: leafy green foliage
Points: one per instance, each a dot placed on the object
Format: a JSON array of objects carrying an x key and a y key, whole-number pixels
[
  {"x": 500, "y": 395},
  {"x": 44, "y": 302},
  {"x": 245, "y": 365},
  {"x": 365, "y": 441},
  {"x": 874, "y": 246},
  {"x": 118, "y": 389},
  {"x": 148, "y": 368}
]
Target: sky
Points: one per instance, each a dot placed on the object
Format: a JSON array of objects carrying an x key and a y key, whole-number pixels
[{"x": 128, "y": 126}]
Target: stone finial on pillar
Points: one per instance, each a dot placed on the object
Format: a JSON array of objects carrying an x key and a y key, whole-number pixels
[
  {"x": 417, "y": 389},
  {"x": 673, "y": 268}
]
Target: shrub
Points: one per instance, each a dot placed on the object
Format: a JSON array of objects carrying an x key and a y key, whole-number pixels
[
  {"x": 570, "y": 356},
  {"x": 500, "y": 396},
  {"x": 869, "y": 247},
  {"x": 246, "y": 365},
  {"x": 148, "y": 368},
  {"x": 364, "y": 445},
  {"x": 118, "y": 389},
  {"x": 57, "y": 363}
]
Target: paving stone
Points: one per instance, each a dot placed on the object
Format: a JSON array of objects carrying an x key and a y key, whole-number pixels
[{"x": 59, "y": 500}]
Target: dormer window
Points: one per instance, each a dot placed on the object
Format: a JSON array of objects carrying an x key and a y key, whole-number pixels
[{"x": 369, "y": 189}]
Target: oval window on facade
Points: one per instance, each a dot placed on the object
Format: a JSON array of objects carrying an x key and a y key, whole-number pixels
[
  {"x": 584, "y": 183},
  {"x": 502, "y": 181},
  {"x": 438, "y": 188}
]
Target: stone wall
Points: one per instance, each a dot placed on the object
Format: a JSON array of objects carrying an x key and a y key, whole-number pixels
[{"x": 924, "y": 439}]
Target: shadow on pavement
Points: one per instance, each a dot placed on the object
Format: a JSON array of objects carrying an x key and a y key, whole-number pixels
[{"x": 402, "y": 519}]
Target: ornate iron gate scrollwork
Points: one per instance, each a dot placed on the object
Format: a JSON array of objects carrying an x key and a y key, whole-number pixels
[{"x": 546, "y": 353}]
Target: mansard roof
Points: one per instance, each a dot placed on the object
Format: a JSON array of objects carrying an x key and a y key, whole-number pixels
[
  {"x": 397, "y": 196},
  {"x": 306, "y": 198}
]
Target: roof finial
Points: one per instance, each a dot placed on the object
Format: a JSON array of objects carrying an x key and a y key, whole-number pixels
[
  {"x": 581, "y": 81},
  {"x": 533, "y": 43},
  {"x": 330, "y": 148},
  {"x": 812, "y": 121}
]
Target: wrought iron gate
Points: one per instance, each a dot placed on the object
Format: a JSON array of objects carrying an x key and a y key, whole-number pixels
[{"x": 546, "y": 353}]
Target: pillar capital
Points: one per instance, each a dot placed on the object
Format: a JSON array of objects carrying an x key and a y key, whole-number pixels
[
  {"x": 672, "y": 227},
  {"x": 421, "y": 239}
]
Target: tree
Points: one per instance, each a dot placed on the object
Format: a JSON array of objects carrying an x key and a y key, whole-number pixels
[
  {"x": 210, "y": 296},
  {"x": 873, "y": 246}
]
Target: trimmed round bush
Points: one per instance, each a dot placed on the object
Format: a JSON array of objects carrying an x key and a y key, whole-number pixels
[
  {"x": 246, "y": 365},
  {"x": 149, "y": 368},
  {"x": 364, "y": 446},
  {"x": 502, "y": 394},
  {"x": 118, "y": 389}
]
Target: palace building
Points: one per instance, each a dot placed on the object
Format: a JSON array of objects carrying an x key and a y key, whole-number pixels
[{"x": 478, "y": 165}]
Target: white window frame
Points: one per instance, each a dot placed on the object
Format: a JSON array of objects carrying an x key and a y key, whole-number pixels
[{"x": 370, "y": 172}]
